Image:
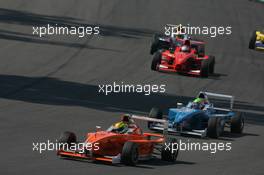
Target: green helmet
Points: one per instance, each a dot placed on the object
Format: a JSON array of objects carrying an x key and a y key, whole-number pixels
[
  {"x": 120, "y": 127},
  {"x": 198, "y": 100}
]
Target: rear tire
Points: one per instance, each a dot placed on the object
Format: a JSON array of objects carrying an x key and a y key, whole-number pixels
[
  {"x": 252, "y": 42},
  {"x": 154, "y": 47},
  {"x": 214, "y": 128},
  {"x": 169, "y": 154},
  {"x": 237, "y": 123},
  {"x": 129, "y": 154},
  {"x": 155, "y": 113},
  {"x": 155, "y": 44},
  {"x": 205, "y": 68},
  {"x": 211, "y": 60},
  {"x": 156, "y": 61}
]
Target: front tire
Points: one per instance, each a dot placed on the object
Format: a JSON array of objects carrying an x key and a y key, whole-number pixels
[
  {"x": 170, "y": 154},
  {"x": 68, "y": 138},
  {"x": 156, "y": 61},
  {"x": 214, "y": 128},
  {"x": 237, "y": 123},
  {"x": 252, "y": 42},
  {"x": 129, "y": 154}
]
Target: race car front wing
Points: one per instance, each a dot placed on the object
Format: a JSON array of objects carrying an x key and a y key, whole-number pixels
[{"x": 179, "y": 130}]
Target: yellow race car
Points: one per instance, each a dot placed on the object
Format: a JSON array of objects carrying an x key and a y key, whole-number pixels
[{"x": 257, "y": 40}]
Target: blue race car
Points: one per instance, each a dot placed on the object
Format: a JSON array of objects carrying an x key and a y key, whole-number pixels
[{"x": 200, "y": 117}]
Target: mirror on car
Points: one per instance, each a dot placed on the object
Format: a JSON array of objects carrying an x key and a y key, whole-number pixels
[
  {"x": 179, "y": 105},
  {"x": 98, "y": 128}
]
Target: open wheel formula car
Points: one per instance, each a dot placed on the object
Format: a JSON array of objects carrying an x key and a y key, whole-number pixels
[
  {"x": 186, "y": 59},
  {"x": 116, "y": 147},
  {"x": 203, "y": 120},
  {"x": 181, "y": 54}
]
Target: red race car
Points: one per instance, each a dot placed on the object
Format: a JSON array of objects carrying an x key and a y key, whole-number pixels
[
  {"x": 124, "y": 142},
  {"x": 187, "y": 58}
]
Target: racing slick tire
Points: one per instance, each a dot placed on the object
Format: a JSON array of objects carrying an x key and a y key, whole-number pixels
[
  {"x": 211, "y": 60},
  {"x": 215, "y": 127},
  {"x": 200, "y": 51},
  {"x": 170, "y": 150},
  {"x": 205, "y": 67},
  {"x": 129, "y": 155},
  {"x": 155, "y": 113},
  {"x": 68, "y": 138},
  {"x": 237, "y": 123},
  {"x": 154, "y": 44},
  {"x": 156, "y": 61},
  {"x": 252, "y": 42}
]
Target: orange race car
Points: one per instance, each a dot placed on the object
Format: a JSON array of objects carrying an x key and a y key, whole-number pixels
[{"x": 124, "y": 142}]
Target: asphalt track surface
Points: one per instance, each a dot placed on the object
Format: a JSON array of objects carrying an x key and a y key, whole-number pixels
[{"x": 49, "y": 85}]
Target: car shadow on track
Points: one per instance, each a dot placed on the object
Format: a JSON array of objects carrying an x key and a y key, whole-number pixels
[
  {"x": 146, "y": 164},
  {"x": 23, "y": 37},
  {"x": 221, "y": 138},
  {"x": 155, "y": 162},
  {"x": 25, "y": 18},
  {"x": 215, "y": 76},
  {"x": 53, "y": 91},
  {"x": 233, "y": 135}
]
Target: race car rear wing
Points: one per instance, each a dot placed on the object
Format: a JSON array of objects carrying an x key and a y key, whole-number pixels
[
  {"x": 173, "y": 25},
  {"x": 221, "y": 96},
  {"x": 175, "y": 30},
  {"x": 164, "y": 122}
]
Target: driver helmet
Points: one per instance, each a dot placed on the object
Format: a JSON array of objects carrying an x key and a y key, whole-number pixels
[
  {"x": 198, "y": 100},
  {"x": 185, "y": 48},
  {"x": 204, "y": 97},
  {"x": 198, "y": 103},
  {"x": 120, "y": 127},
  {"x": 126, "y": 118}
]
